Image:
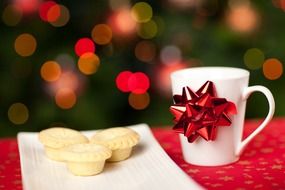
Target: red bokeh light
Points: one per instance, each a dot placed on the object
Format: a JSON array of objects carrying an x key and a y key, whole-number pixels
[
  {"x": 84, "y": 45},
  {"x": 138, "y": 83},
  {"x": 27, "y": 6},
  {"x": 122, "y": 81},
  {"x": 44, "y": 9},
  {"x": 163, "y": 82},
  {"x": 53, "y": 13}
]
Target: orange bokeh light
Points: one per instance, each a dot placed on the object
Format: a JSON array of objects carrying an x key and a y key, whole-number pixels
[
  {"x": 50, "y": 71},
  {"x": 88, "y": 63},
  {"x": 53, "y": 13},
  {"x": 242, "y": 18},
  {"x": 25, "y": 45},
  {"x": 102, "y": 34},
  {"x": 44, "y": 9},
  {"x": 145, "y": 51},
  {"x": 139, "y": 101},
  {"x": 65, "y": 98},
  {"x": 122, "y": 22},
  {"x": 67, "y": 79},
  {"x": 272, "y": 69},
  {"x": 12, "y": 15},
  {"x": 63, "y": 17}
]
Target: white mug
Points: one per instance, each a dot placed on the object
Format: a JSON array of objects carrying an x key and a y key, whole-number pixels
[{"x": 232, "y": 84}]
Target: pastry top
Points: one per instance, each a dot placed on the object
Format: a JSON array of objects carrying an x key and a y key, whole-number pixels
[
  {"x": 58, "y": 137},
  {"x": 116, "y": 138},
  {"x": 85, "y": 152}
]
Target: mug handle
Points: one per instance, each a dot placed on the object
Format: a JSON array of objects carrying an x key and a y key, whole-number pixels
[{"x": 247, "y": 92}]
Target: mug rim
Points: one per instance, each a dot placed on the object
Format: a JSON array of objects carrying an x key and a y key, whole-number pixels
[{"x": 243, "y": 72}]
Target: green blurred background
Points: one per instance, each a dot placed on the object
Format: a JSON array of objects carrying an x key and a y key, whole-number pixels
[{"x": 152, "y": 37}]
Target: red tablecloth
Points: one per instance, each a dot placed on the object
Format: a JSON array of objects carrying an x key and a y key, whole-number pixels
[{"x": 261, "y": 166}]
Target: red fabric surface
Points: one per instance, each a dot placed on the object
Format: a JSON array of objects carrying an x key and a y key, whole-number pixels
[{"x": 261, "y": 166}]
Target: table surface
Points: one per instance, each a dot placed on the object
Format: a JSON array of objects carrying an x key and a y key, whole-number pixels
[{"x": 261, "y": 166}]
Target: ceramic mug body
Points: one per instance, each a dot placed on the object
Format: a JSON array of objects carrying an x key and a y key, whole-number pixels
[{"x": 232, "y": 84}]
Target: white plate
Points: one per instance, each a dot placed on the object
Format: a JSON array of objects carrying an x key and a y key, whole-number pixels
[{"x": 148, "y": 168}]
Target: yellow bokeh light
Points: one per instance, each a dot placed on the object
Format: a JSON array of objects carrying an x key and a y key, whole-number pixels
[
  {"x": 18, "y": 113},
  {"x": 63, "y": 18},
  {"x": 142, "y": 12},
  {"x": 253, "y": 58},
  {"x": 102, "y": 34},
  {"x": 65, "y": 98},
  {"x": 88, "y": 63},
  {"x": 11, "y": 15},
  {"x": 25, "y": 45},
  {"x": 139, "y": 101},
  {"x": 50, "y": 71},
  {"x": 145, "y": 51},
  {"x": 272, "y": 69},
  {"x": 147, "y": 30}
]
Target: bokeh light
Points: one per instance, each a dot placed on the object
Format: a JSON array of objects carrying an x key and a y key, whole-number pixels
[
  {"x": 234, "y": 3},
  {"x": 142, "y": 12},
  {"x": 102, "y": 34},
  {"x": 272, "y": 69},
  {"x": 68, "y": 79},
  {"x": 139, "y": 101},
  {"x": 50, "y": 71},
  {"x": 27, "y": 6},
  {"x": 63, "y": 17},
  {"x": 170, "y": 54},
  {"x": 88, "y": 63},
  {"x": 118, "y": 4},
  {"x": 66, "y": 61},
  {"x": 253, "y": 58},
  {"x": 122, "y": 81},
  {"x": 18, "y": 113},
  {"x": 53, "y": 13},
  {"x": 122, "y": 22},
  {"x": 279, "y": 4},
  {"x": 160, "y": 22},
  {"x": 162, "y": 77},
  {"x": 84, "y": 45},
  {"x": 145, "y": 51},
  {"x": 282, "y": 4},
  {"x": 25, "y": 44},
  {"x": 138, "y": 83},
  {"x": 242, "y": 18},
  {"x": 65, "y": 98},
  {"x": 45, "y": 8},
  {"x": 11, "y": 15},
  {"x": 147, "y": 30}
]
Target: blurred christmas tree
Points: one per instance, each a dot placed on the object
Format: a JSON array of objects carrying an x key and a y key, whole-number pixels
[{"x": 96, "y": 64}]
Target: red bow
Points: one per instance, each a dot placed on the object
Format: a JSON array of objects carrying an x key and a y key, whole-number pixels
[{"x": 200, "y": 113}]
